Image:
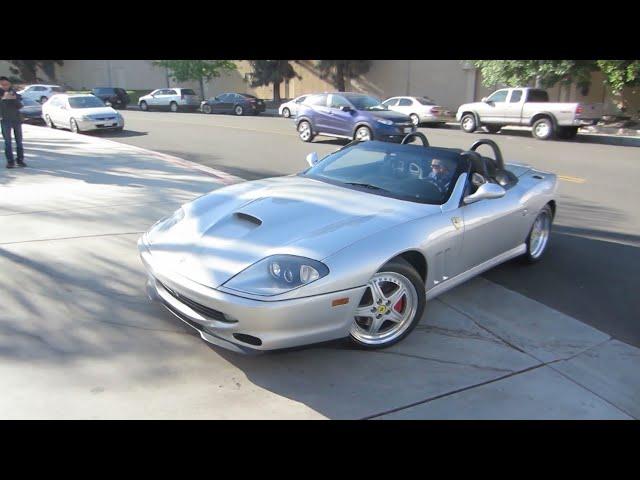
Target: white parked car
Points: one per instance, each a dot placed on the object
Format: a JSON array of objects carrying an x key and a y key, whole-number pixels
[
  {"x": 290, "y": 108},
  {"x": 41, "y": 93},
  {"x": 420, "y": 109},
  {"x": 80, "y": 113},
  {"x": 172, "y": 99}
]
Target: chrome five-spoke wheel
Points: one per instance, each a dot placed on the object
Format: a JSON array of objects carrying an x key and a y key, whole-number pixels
[
  {"x": 539, "y": 236},
  {"x": 390, "y": 306}
]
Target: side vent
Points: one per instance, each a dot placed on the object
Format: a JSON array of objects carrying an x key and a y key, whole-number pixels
[{"x": 248, "y": 218}]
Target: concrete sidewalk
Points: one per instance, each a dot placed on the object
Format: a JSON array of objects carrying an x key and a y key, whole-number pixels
[{"x": 78, "y": 338}]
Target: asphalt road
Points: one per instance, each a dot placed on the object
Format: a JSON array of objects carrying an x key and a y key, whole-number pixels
[{"x": 591, "y": 270}]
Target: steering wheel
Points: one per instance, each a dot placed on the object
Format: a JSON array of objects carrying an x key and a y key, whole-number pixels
[
  {"x": 421, "y": 136},
  {"x": 496, "y": 151}
]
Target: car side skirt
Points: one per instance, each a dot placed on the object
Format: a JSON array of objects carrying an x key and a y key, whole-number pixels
[{"x": 477, "y": 270}]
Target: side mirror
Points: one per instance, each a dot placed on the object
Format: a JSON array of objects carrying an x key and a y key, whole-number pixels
[
  {"x": 107, "y": 104},
  {"x": 486, "y": 191},
  {"x": 485, "y": 99},
  {"x": 312, "y": 159},
  {"x": 345, "y": 108}
]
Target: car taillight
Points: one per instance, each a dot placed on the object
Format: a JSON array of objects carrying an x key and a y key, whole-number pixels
[{"x": 579, "y": 109}]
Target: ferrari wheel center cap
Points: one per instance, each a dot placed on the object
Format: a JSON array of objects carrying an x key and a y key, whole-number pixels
[{"x": 382, "y": 309}]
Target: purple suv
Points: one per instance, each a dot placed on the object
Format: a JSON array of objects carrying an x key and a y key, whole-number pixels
[{"x": 350, "y": 115}]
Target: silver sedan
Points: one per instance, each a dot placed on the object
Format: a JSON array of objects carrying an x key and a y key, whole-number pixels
[{"x": 354, "y": 246}]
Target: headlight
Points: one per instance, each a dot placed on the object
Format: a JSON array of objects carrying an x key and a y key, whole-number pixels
[
  {"x": 86, "y": 118},
  {"x": 385, "y": 121},
  {"x": 277, "y": 274},
  {"x": 164, "y": 224}
]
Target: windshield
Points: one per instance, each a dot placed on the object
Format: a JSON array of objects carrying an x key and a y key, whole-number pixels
[
  {"x": 86, "y": 102},
  {"x": 365, "y": 102},
  {"x": 425, "y": 101},
  {"x": 405, "y": 172}
]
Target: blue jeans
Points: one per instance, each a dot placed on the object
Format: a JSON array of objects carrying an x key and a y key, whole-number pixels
[{"x": 16, "y": 126}]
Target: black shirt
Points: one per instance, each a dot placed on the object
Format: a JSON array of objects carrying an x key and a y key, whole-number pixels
[{"x": 10, "y": 109}]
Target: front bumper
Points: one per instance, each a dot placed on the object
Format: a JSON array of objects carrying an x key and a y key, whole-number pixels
[
  {"x": 244, "y": 325},
  {"x": 85, "y": 125}
]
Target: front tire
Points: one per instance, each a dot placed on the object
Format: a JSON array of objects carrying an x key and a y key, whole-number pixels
[
  {"x": 206, "y": 108},
  {"x": 143, "y": 106},
  {"x": 286, "y": 113},
  {"x": 543, "y": 129},
  {"x": 305, "y": 131},
  {"x": 74, "y": 126},
  {"x": 538, "y": 238},
  {"x": 468, "y": 123},
  {"x": 49, "y": 122},
  {"x": 363, "y": 134},
  {"x": 390, "y": 308}
]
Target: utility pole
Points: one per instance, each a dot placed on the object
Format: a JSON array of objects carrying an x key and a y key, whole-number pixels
[
  {"x": 408, "y": 77},
  {"x": 109, "y": 72}
]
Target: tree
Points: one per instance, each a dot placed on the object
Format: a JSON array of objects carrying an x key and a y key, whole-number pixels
[
  {"x": 274, "y": 72},
  {"x": 196, "y": 70},
  {"x": 341, "y": 71},
  {"x": 619, "y": 74},
  {"x": 27, "y": 70},
  {"x": 545, "y": 73}
]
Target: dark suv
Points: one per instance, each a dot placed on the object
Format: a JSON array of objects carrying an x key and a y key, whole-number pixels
[
  {"x": 117, "y": 97},
  {"x": 350, "y": 115}
]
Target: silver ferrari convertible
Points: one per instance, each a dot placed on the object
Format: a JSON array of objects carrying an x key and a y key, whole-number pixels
[{"x": 354, "y": 246}]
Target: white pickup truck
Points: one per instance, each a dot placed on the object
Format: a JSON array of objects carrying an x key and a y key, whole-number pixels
[{"x": 528, "y": 107}]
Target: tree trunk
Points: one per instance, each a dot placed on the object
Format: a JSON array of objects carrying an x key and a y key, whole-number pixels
[
  {"x": 340, "y": 80},
  {"x": 202, "y": 88},
  {"x": 276, "y": 92}
]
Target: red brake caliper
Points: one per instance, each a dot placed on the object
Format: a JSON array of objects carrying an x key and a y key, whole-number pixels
[{"x": 399, "y": 306}]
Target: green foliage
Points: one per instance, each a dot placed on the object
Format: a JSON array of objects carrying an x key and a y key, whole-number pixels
[
  {"x": 546, "y": 73},
  {"x": 339, "y": 71},
  {"x": 27, "y": 70},
  {"x": 195, "y": 70},
  {"x": 266, "y": 72},
  {"x": 620, "y": 73}
]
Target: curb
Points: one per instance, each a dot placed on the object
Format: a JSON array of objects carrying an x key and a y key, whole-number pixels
[{"x": 223, "y": 177}]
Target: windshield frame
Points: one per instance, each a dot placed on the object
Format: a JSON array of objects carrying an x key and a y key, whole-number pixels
[
  {"x": 351, "y": 96},
  {"x": 461, "y": 167},
  {"x": 70, "y": 99}
]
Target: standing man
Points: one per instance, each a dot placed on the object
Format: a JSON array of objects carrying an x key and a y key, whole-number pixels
[{"x": 10, "y": 106}]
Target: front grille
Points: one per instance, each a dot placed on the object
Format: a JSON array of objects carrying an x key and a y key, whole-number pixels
[
  {"x": 201, "y": 309},
  {"x": 104, "y": 119}
]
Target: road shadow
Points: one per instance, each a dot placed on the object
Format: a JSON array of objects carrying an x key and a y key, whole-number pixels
[
  {"x": 114, "y": 134},
  {"x": 593, "y": 272}
]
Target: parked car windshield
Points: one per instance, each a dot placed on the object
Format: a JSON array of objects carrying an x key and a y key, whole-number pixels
[
  {"x": 365, "y": 102},
  {"x": 425, "y": 101},
  {"x": 405, "y": 172},
  {"x": 86, "y": 102}
]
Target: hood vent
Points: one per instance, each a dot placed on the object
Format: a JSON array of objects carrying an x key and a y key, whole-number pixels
[{"x": 248, "y": 218}]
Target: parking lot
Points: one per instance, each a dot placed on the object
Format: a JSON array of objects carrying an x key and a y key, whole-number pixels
[
  {"x": 79, "y": 339},
  {"x": 590, "y": 271}
]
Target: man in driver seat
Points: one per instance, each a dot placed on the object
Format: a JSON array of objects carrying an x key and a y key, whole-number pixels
[{"x": 440, "y": 175}]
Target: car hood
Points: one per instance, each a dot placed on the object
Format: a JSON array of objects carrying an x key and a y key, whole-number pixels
[
  {"x": 229, "y": 229},
  {"x": 389, "y": 115}
]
